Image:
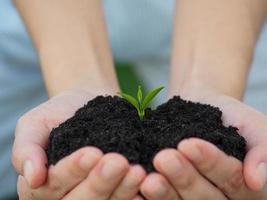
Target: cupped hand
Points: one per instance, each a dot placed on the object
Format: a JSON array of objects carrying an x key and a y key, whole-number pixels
[
  {"x": 33, "y": 129},
  {"x": 199, "y": 170},
  {"x": 77, "y": 176},
  {"x": 252, "y": 125},
  {"x": 87, "y": 174}
]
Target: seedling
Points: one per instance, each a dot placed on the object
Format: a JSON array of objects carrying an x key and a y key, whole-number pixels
[{"x": 141, "y": 103}]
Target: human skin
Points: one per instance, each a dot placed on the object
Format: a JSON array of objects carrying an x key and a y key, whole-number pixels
[
  {"x": 198, "y": 170},
  {"x": 212, "y": 50},
  {"x": 220, "y": 57},
  {"x": 71, "y": 41},
  {"x": 91, "y": 72}
]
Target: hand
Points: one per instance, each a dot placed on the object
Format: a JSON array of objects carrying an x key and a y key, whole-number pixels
[
  {"x": 71, "y": 174},
  {"x": 198, "y": 170},
  {"x": 87, "y": 174},
  {"x": 252, "y": 125},
  {"x": 33, "y": 129},
  {"x": 212, "y": 173}
]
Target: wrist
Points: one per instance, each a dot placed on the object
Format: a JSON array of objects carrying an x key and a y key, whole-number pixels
[
  {"x": 88, "y": 91},
  {"x": 87, "y": 70},
  {"x": 195, "y": 89},
  {"x": 189, "y": 89},
  {"x": 99, "y": 86},
  {"x": 103, "y": 87},
  {"x": 226, "y": 76}
]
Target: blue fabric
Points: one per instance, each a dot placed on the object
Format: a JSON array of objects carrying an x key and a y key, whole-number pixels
[
  {"x": 139, "y": 31},
  {"x": 256, "y": 94},
  {"x": 21, "y": 88}
]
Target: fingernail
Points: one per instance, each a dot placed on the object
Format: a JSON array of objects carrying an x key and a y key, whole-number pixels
[
  {"x": 28, "y": 171},
  {"x": 88, "y": 160},
  {"x": 111, "y": 169},
  {"x": 262, "y": 173}
]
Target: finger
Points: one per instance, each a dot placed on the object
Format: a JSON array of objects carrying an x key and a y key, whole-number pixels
[
  {"x": 68, "y": 173},
  {"x": 255, "y": 168},
  {"x": 184, "y": 177},
  {"x": 138, "y": 197},
  {"x": 156, "y": 187},
  {"x": 23, "y": 189},
  {"x": 103, "y": 179},
  {"x": 28, "y": 156},
  {"x": 130, "y": 184},
  {"x": 224, "y": 171}
]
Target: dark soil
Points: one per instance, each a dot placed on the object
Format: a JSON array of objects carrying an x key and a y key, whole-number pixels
[{"x": 112, "y": 124}]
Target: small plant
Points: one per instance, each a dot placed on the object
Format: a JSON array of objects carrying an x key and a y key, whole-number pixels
[{"x": 141, "y": 103}]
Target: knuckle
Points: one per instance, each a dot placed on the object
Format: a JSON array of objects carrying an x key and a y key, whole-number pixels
[
  {"x": 54, "y": 183},
  {"x": 74, "y": 167},
  {"x": 15, "y": 159},
  {"x": 75, "y": 171},
  {"x": 116, "y": 158},
  {"x": 96, "y": 186},
  {"x": 119, "y": 196},
  {"x": 207, "y": 166},
  {"x": 154, "y": 189},
  {"x": 149, "y": 191},
  {"x": 185, "y": 182},
  {"x": 210, "y": 159},
  {"x": 131, "y": 183},
  {"x": 99, "y": 190},
  {"x": 125, "y": 190},
  {"x": 235, "y": 182},
  {"x": 21, "y": 121}
]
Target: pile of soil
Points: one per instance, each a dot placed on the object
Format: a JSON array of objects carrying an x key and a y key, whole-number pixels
[{"x": 112, "y": 124}]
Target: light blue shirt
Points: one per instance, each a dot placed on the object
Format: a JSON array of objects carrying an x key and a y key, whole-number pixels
[
  {"x": 21, "y": 88},
  {"x": 139, "y": 31}
]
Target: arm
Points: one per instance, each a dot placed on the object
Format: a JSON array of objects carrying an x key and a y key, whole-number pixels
[
  {"x": 213, "y": 44},
  {"x": 72, "y": 44},
  {"x": 71, "y": 41},
  {"x": 212, "y": 50}
]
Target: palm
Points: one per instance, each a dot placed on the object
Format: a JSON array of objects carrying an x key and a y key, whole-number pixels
[
  {"x": 59, "y": 108},
  {"x": 251, "y": 123}
]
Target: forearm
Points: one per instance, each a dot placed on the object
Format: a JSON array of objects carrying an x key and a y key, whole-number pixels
[
  {"x": 213, "y": 44},
  {"x": 72, "y": 43}
]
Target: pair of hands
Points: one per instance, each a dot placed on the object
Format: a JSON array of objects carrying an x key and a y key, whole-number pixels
[{"x": 195, "y": 170}]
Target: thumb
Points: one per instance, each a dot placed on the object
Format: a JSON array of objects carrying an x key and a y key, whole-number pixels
[
  {"x": 28, "y": 156},
  {"x": 255, "y": 168}
]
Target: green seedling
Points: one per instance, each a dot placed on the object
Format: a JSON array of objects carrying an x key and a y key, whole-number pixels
[{"x": 141, "y": 103}]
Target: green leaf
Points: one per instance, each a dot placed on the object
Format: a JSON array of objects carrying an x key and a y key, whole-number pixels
[
  {"x": 139, "y": 94},
  {"x": 130, "y": 99},
  {"x": 149, "y": 97}
]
